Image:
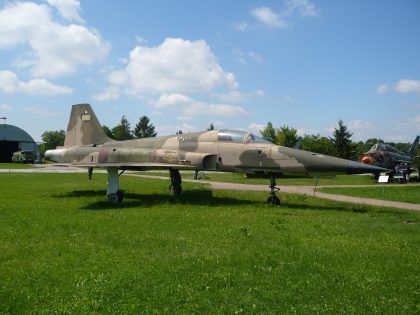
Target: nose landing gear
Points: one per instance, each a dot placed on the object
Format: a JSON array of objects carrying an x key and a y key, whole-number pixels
[{"x": 273, "y": 199}]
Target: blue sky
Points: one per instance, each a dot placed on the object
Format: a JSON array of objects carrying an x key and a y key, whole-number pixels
[{"x": 237, "y": 64}]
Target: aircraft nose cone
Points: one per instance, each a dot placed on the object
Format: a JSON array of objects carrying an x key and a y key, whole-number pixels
[
  {"x": 360, "y": 168},
  {"x": 318, "y": 163}
]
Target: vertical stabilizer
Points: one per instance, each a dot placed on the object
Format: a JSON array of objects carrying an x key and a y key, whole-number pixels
[
  {"x": 413, "y": 148},
  {"x": 84, "y": 128}
]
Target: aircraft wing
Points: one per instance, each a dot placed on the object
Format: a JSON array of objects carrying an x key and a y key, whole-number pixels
[
  {"x": 416, "y": 161},
  {"x": 137, "y": 166}
]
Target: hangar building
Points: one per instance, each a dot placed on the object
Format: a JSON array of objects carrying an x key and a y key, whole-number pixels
[{"x": 14, "y": 139}]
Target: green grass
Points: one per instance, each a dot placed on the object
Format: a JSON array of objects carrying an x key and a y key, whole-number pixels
[
  {"x": 404, "y": 193},
  {"x": 14, "y": 166},
  {"x": 240, "y": 178},
  {"x": 64, "y": 249}
]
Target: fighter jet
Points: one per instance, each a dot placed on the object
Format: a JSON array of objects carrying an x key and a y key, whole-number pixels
[
  {"x": 386, "y": 156},
  {"x": 86, "y": 145}
]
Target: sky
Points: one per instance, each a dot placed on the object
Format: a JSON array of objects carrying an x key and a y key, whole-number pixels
[{"x": 237, "y": 64}]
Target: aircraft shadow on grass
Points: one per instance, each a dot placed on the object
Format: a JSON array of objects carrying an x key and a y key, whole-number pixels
[
  {"x": 203, "y": 197},
  {"x": 133, "y": 200}
]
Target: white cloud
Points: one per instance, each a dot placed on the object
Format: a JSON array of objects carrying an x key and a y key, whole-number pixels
[
  {"x": 175, "y": 66},
  {"x": 191, "y": 107},
  {"x": 5, "y": 107},
  {"x": 237, "y": 96},
  {"x": 40, "y": 112},
  {"x": 241, "y": 26},
  {"x": 305, "y": 7},
  {"x": 140, "y": 40},
  {"x": 186, "y": 128},
  {"x": 111, "y": 93},
  {"x": 382, "y": 89},
  {"x": 55, "y": 49},
  {"x": 408, "y": 86},
  {"x": 240, "y": 55},
  {"x": 259, "y": 92},
  {"x": 9, "y": 83},
  {"x": 175, "y": 99},
  {"x": 232, "y": 97},
  {"x": 243, "y": 57},
  {"x": 281, "y": 19},
  {"x": 358, "y": 124},
  {"x": 256, "y": 128},
  {"x": 68, "y": 9},
  {"x": 266, "y": 16},
  {"x": 306, "y": 131},
  {"x": 218, "y": 110},
  {"x": 256, "y": 57}
]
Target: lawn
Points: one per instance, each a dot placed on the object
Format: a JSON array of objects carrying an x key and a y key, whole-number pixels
[
  {"x": 404, "y": 193},
  {"x": 14, "y": 166},
  {"x": 241, "y": 179},
  {"x": 64, "y": 249}
]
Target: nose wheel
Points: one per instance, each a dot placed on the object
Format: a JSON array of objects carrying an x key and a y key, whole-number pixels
[{"x": 273, "y": 199}]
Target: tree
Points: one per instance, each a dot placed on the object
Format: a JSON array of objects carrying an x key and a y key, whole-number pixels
[
  {"x": 108, "y": 131},
  {"x": 52, "y": 139},
  {"x": 344, "y": 147},
  {"x": 143, "y": 129},
  {"x": 286, "y": 136},
  {"x": 318, "y": 144},
  {"x": 123, "y": 130},
  {"x": 269, "y": 133},
  {"x": 211, "y": 127}
]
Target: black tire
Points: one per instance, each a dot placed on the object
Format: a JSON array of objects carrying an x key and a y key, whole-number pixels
[
  {"x": 116, "y": 198},
  {"x": 174, "y": 190},
  {"x": 273, "y": 200}
]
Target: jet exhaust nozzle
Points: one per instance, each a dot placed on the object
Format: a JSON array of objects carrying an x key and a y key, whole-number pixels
[{"x": 55, "y": 155}]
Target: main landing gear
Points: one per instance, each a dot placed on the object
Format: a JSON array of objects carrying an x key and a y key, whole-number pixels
[
  {"x": 175, "y": 187},
  {"x": 114, "y": 195},
  {"x": 273, "y": 199}
]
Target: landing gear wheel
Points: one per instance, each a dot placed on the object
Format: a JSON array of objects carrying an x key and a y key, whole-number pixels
[
  {"x": 175, "y": 190},
  {"x": 116, "y": 198},
  {"x": 273, "y": 200},
  {"x": 175, "y": 187}
]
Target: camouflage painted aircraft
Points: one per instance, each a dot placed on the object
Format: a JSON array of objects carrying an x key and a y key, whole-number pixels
[
  {"x": 384, "y": 155},
  {"x": 87, "y": 145}
]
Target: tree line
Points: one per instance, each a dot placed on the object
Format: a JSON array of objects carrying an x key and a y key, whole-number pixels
[
  {"x": 123, "y": 131},
  {"x": 339, "y": 145}
]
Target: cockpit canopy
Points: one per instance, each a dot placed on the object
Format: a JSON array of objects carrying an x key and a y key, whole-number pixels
[
  {"x": 378, "y": 146},
  {"x": 239, "y": 137},
  {"x": 385, "y": 147}
]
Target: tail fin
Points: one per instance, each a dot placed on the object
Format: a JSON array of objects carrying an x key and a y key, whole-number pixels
[
  {"x": 84, "y": 128},
  {"x": 413, "y": 149}
]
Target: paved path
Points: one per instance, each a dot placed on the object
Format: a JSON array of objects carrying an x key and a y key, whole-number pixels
[{"x": 308, "y": 190}]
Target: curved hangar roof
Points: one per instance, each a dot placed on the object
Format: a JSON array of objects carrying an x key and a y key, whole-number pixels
[
  {"x": 13, "y": 139},
  {"x": 13, "y": 133}
]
